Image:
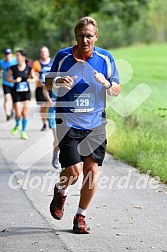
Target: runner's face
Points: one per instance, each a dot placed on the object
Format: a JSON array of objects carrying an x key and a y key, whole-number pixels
[
  {"x": 44, "y": 53},
  {"x": 20, "y": 58},
  {"x": 8, "y": 56},
  {"x": 86, "y": 38}
]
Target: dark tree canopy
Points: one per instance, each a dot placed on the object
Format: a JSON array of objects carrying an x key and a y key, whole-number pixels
[{"x": 30, "y": 24}]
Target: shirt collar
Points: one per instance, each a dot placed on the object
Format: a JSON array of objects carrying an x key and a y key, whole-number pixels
[{"x": 79, "y": 60}]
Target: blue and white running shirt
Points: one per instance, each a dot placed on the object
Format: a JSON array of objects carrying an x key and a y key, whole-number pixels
[
  {"x": 84, "y": 104},
  {"x": 45, "y": 67}
]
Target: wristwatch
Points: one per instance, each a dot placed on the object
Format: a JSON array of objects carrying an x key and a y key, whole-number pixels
[
  {"x": 54, "y": 82},
  {"x": 109, "y": 85}
]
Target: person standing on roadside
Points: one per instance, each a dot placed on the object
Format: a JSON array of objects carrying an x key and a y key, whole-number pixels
[
  {"x": 42, "y": 66},
  {"x": 83, "y": 75},
  {"x": 21, "y": 74},
  {"x": 5, "y": 64}
]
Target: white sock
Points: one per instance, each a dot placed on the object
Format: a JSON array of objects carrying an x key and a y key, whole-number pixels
[
  {"x": 62, "y": 191},
  {"x": 81, "y": 211}
]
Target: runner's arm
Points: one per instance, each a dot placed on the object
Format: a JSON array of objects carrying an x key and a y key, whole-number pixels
[
  {"x": 9, "y": 75},
  {"x": 114, "y": 89},
  {"x": 32, "y": 76},
  {"x": 1, "y": 71}
]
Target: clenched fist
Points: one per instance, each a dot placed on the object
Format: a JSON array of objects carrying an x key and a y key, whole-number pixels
[
  {"x": 101, "y": 79},
  {"x": 112, "y": 90}
]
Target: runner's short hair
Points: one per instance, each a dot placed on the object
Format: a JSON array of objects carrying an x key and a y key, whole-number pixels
[
  {"x": 22, "y": 52},
  {"x": 85, "y": 21}
]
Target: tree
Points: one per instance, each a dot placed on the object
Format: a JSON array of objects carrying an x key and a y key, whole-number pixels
[
  {"x": 126, "y": 10},
  {"x": 23, "y": 22},
  {"x": 30, "y": 24},
  {"x": 157, "y": 20}
]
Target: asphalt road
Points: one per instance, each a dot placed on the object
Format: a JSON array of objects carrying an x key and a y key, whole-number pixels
[{"x": 128, "y": 212}]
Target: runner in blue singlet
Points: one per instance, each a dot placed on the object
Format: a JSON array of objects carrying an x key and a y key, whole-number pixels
[{"x": 5, "y": 64}]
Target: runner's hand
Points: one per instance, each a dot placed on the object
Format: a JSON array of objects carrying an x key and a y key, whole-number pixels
[
  {"x": 66, "y": 82},
  {"x": 18, "y": 79},
  {"x": 52, "y": 102},
  {"x": 29, "y": 80},
  {"x": 113, "y": 90},
  {"x": 99, "y": 77}
]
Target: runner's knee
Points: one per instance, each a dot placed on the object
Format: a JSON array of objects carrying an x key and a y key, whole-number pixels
[{"x": 72, "y": 173}]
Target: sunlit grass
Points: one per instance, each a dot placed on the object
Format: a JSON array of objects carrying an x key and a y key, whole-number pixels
[{"x": 140, "y": 139}]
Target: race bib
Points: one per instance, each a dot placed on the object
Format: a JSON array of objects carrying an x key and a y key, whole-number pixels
[
  {"x": 82, "y": 102},
  {"x": 22, "y": 86},
  {"x": 42, "y": 79},
  {"x": 43, "y": 73}
]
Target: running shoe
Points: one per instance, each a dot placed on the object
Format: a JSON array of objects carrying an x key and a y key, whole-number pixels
[
  {"x": 14, "y": 131},
  {"x": 79, "y": 225},
  {"x": 8, "y": 117},
  {"x": 24, "y": 135},
  {"x": 57, "y": 205},
  {"x": 44, "y": 127},
  {"x": 55, "y": 160},
  {"x": 11, "y": 115}
]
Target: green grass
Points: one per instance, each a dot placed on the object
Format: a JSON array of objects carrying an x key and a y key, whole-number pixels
[{"x": 140, "y": 138}]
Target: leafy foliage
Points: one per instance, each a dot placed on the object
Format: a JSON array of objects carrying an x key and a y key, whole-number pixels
[
  {"x": 127, "y": 11},
  {"x": 30, "y": 24}
]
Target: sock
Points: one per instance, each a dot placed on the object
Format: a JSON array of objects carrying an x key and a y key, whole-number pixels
[
  {"x": 24, "y": 124},
  {"x": 17, "y": 121},
  {"x": 55, "y": 154},
  {"x": 81, "y": 211},
  {"x": 62, "y": 191}
]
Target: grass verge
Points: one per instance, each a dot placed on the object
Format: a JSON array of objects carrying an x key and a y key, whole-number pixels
[{"x": 140, "y": 138}]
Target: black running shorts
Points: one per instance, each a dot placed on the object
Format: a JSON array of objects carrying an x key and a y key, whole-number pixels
[
  {"x": 7, "y": 89},
  {"x": 21, "y": 96},
  {"x": 76, "y": 144},
  {"x": 39, "y": 95}
]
